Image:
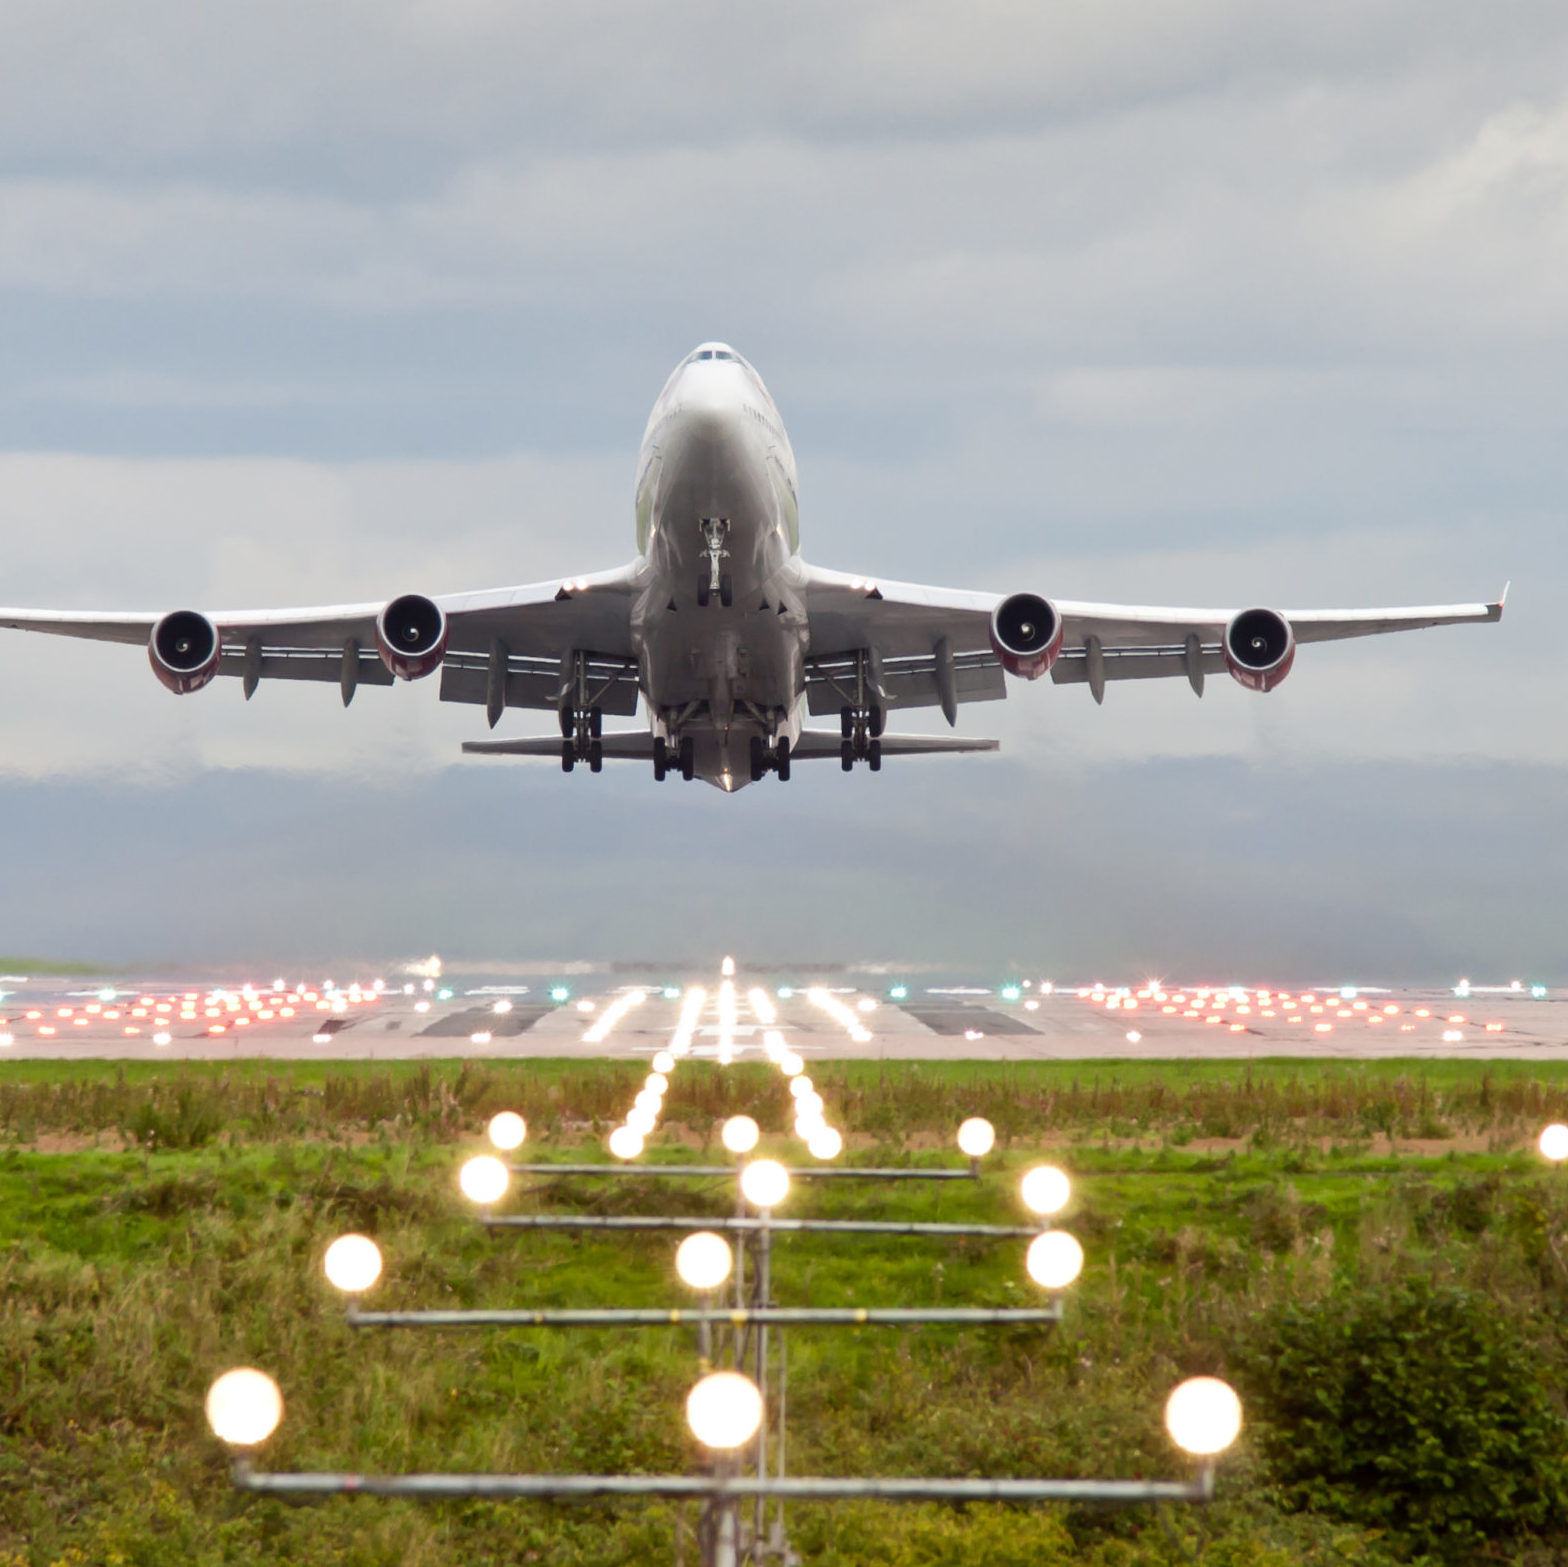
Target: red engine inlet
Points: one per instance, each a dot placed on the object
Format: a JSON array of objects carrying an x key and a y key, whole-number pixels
[
  {"x": 411, "y": 636},
  {"x": 184, "y": 650},
  {"x": 1026, "y": 632},
  {"x": 1259, "y": 648}
]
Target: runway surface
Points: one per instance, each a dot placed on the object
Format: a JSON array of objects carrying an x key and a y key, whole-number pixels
[{"x": 394, "y": 1017}]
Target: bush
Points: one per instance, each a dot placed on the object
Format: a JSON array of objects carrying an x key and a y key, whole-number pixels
[{"x": 1415, "y": 1409}]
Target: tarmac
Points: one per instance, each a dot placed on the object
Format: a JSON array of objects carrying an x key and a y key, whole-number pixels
[{"x": 401, "y": 1019}]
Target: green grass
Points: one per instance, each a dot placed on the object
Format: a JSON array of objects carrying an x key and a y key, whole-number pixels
[{"x": 129, "y": 1276}]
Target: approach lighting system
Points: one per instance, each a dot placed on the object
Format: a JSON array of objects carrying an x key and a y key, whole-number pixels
[
  {"x": 724, "y": 1410},
  {"x": 825, "y": 1143},
  {"x": 764, "y": 1183},
  {"x": 352, "y": 1263},
  {"x": 483, "y": 1179},
  {"x": 1055, "y": 1259},
  {"x": 740, "y": 1134},
  {"x": 626, "y": 1142},
  {"x": 1045, "y": 1189},
  {"x": 1554, "y": 1142},
  {"x": 704, "y": 1260},
  {"x": 507, "y": 1130},
  {"x": 244, "y": 1407},
  {"x": 976, "y": 1137},
  {"x": 1203, "y": 1416}
]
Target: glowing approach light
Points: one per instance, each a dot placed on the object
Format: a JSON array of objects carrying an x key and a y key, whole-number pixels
[
  {"x": 484, "y": 1180},
  {"x": 1045, "y": 1189},
  {"x": 1554, "y": 1142},
  {"x": 244, "y": 1407},
  {"x": 740, "y": 1134},
  {"x": 626, "y": 1141},
  {"x": 764, "y": 1183},
  {"x": 976, "y": 1137},
  {"x": 507, "y": 1130},
  {"x": 1203, "y": 1416},
  {"x": 1054, "y": 1260},
  {"x": 703, "y": 1260},
  {"x": 352, "y": 1263},
  {"x": 612, "y": 1015},
  {"x": 724, "y": 1410}
]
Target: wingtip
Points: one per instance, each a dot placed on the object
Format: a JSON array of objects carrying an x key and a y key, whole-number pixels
[{"x": 1502, "y": 599}]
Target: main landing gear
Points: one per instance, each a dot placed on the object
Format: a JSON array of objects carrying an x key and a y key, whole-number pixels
[
  {"x": 765, "y": 757},
  {"x": 713, "y": 578},
  {"x": 581, "y": 729},
  {"x": 682, "y": 756},
  {"x": 862, "y": 731}
]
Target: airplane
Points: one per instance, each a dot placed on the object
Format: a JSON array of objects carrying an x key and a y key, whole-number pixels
[{"x": 720, "y": 628}]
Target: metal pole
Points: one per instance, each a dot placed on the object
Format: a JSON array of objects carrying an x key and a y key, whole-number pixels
[
  {"x": 716, "y": 1171},
  {"x": 703, "y": 1316},
  {"x": 575, "y": 1221},
  {"x": 764, "y": 1286}
]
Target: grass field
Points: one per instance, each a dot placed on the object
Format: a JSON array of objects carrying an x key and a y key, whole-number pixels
[{"x": 159, "y": 1225}]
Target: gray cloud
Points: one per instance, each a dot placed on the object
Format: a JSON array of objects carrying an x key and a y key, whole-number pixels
[{"x": 1220, "y": 303}]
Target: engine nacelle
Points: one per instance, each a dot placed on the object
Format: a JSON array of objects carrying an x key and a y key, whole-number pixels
[
  {"x": 1259, "y": 648},
  {"x": 184, "y": 650},
  {"x": 411, "y": 636},
  {"x": 1026, "y": 632}
]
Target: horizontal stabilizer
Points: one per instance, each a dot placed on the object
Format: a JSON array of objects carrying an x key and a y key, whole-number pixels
[{"x": 813, "y": 743}]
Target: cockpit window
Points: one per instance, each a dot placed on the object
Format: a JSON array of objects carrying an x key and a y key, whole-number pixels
[{"x": 713, "y": 353}]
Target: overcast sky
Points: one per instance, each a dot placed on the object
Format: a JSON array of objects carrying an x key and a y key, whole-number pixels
[{"x": 1214, "y": 303}]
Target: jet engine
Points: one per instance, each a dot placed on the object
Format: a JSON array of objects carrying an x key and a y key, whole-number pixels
[
  {"x": 411, "y": 636},
  {"x": 184, "y": 650},
  {"x": 1026, "y": 632},
  {"x": 1259, "y": 648}
]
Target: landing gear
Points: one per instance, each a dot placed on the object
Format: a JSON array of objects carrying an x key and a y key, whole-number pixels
[
  {"x": 714, "y": 578},
  {"x": 688, "y": 754},
  {"x": 759, "y": 759},
  {"x": 582, "y": 723},
  {"x": 661, "y": 758},
  {"x": 861, "y": 728},
  {"x": 781, "y": 758}
]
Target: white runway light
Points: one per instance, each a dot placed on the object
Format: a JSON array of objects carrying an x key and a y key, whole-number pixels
[
  {"x": 484, "y": 1180},
  {"x": 507, "y": 1130},
  {"x": 976, "y": 1137},
  {"x": 1554, "y": 1142},
  {"x": 612, "y": 1015},
  {"x": 764, "y": 1183},
  {"x": 691, "y": 1012},
  {"x": 703, "y": 1260},
  {"x": 625, "y": 1142},
  {"x": 1054, "y": 1260},
  {"x": 1203, "y": 1416},
  {"x": 244, "y": 1407},
  {"x": 1045, "y": 1189},
  {"x": 740, "y": 1134},
  {"x": 724, "y": 1410},
  {"x": 352, "y": 1263},
  {"x": 825, "y": 1144}
]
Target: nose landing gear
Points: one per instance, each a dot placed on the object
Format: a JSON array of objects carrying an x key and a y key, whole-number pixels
[
  {"x": 765, "y": 758},
  {"x": 714, "y": 579}
]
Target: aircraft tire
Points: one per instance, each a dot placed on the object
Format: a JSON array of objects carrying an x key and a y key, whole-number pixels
[
  {"x": 661, "y": 758},
  {"x": 875, "y": 721},
  {"x": 726, "y": 591},
  {"x": 704, "y": 591},
  {"x": 688, "y": 758},
  {"x": 759, "y": 759},
  {"x": 846, "y": 722},
  {"x": 846, "y": 755},
  {"x": 781, "y": 760},
  {"x": 568, "y": 756},
  {"x": 874, "y": 756},
  {"x": 596, "y": 758}
]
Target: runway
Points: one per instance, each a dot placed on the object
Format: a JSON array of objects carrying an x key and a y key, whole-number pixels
[{"x": 392, "y": 1017}]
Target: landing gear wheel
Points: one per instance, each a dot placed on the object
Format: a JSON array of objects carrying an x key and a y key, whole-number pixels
[
  {"x": 759, "y": 759},
  {"x": 846, "y": 722},
  {"x": 568, "y": 721},
  {"x": 781, "y": 760},
  {"x": 568, "y": 756},
  {"x": 704, "y": 591},
  {"x": 596, "y": 757},
  {"x": 688, "y": 758},
  {"x": 874, "y": 721},
  {"x": 726, "y": 591},
  {"x": 846, "y": 755},
  {"x": 596, "y": 723},
  {"x": 874, "y": 756},
  {"x": 661, "y": 758}
]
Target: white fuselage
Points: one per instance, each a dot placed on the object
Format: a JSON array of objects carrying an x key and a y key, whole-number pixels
[{"x": 720, "y": 630}]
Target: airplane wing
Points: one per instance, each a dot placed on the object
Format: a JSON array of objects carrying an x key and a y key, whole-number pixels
[
  {"x": 914, "y": 646},
  {"x": 507, "y": 647}
]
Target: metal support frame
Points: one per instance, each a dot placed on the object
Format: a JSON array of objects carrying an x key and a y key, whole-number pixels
[{"x": 748, "y": 1335}]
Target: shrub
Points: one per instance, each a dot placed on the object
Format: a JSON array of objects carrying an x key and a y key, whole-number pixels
[{"x": 1416, "y": 1409}]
